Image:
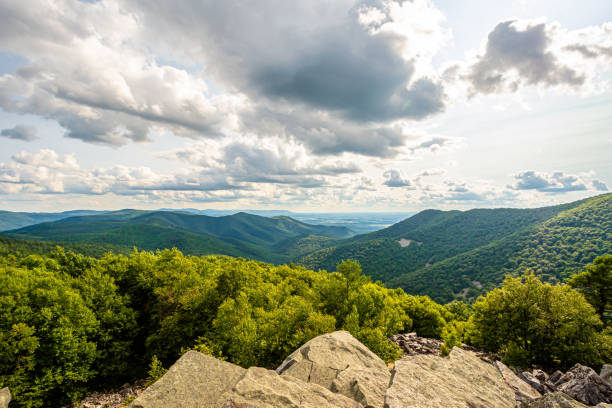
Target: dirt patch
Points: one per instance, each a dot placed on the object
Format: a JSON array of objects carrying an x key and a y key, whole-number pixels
[{"x": 406, "y": 242}]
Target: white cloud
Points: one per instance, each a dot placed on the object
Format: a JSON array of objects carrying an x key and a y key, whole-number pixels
[
  {"x": 556, "y": 182},
  {"x": 393, "y": 178}
]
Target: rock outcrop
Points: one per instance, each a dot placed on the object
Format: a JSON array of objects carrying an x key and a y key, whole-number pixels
[
  {"x": 261, "y": 388},
  {"x": 523, "y": 391},
  {"x": 556, "y": 400},
  {"x": 340, "y": 363},
  {"x": 336, "y": 370},
  {"x": 195, "y": 380},
  {"x": 460, "y": 380},
  {"x": 413, "y": 345},
  {"x": 584, "y": 385},
  {"x": 5, "y": 397}
]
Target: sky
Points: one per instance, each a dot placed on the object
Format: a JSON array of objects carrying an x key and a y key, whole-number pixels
[{"x": 311, "y": 106}]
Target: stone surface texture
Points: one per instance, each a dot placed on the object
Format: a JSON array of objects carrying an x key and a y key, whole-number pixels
[
  {"x": 263, "y": 388},
  {"x": 5, "y": 397},
  {"x": 556, "y": 400},
  {"x": 584, "y": 385},
  {"x": 458, "y": 381},
  {"x": 520, "y": 387},
  {"x": 340, "y": 363},
  {"x": 336, "y": 370},
  {"x": 195, "y": 380}
]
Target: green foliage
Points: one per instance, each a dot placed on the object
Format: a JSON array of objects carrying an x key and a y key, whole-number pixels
[
  {"x": 531, "y": 322},
  {"x": 451, "y": 334},
  {"x": 47, "y": 348},
  {"x": 156, "y": 371},
  {"x": 595, "y": 283},
  {"x": 76, "y": 323}
]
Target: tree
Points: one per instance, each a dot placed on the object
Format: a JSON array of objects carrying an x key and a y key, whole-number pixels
[
  {"x": 531, "y": 322},
  {"x": 595, "y": 283},
  {"x": 353, "y": 276}
]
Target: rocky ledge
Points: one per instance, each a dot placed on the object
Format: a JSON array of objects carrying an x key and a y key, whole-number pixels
[{"x": 336, "y": 370}]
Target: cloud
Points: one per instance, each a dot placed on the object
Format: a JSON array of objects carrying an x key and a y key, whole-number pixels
[
  {"x": 47, "y": 158},
  {"x": 521, "y": 53},
  {"x": 343, "y": 65},
  {"x": 20, "y": 132},
  {"x": 393, "y": 178},
  {"x": 599, "y": 185},
  {"x": 115, "y": 72},
  {"x": 262, "y": 161},
  {"x": 557, "y": 182},
  {"x": 433, "y": 144},
  {"x": 431, "y": 172},
  {"x": 516, "y": 54}
]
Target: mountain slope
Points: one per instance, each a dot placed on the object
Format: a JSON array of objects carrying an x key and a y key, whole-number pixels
[
  {"x": 240, "y": 234},
  {"x": 441, "y": 253},
  {"x": 555, "y": 249},
  {"x": 13, "y": 220},
  {"x": 428, "y": 237}
]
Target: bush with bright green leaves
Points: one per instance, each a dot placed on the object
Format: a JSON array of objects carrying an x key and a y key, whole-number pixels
[{"x": 535, "y": 323}]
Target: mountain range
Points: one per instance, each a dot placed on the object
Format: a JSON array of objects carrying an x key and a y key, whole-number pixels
[
  {"x": 443, "y": 254},
  {"x": 240, "y": 234}
]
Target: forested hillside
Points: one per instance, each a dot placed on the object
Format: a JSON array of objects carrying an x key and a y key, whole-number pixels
[
  {"x": 554, "y": 249},
  {"x": 446, "y": 253},
  {"x": 13, "y": 220},
  {"x": 246, "y": 235}
]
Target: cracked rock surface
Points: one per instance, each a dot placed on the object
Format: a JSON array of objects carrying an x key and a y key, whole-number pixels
[{"x": 340, "y": 363}]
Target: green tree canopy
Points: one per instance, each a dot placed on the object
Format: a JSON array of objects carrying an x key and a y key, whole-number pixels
[
  {"x": 531, "y": 322},
  {"x": 595, "y": 283}
]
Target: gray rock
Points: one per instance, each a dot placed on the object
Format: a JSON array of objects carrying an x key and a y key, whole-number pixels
[
  {"x": 340, "y": 363},
  {"x": 365, "y": 385},
  {"x": 533, "y": 382},
  {"x": 5, "y": 397},
  {"x": 606, "y": 372},
  {"x": 458, "y": 381},
  {"x": 412, "y": 344},
  {"x": 583, "y": 384},
  {"x": 195, "y": 380},
  {"x": 554, "y": 377},
  {"x": 555, "y": 400},
  {"x": 540, "y": 375},
  {"x": 261, "y": 388},
  {"x": 523, "y": 391}
]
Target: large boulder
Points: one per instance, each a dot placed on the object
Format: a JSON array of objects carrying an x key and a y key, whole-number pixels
[
  {"x": 556, "y": 400},
  {"x": 340, "y": 363},
  {"x": 583, "y": 384},
  {"x": 195, "y": 380},
  {"x": 261, "y": 388},
  {"x": 5, "y": 397},
  {"x": 458, "y": 381}
]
